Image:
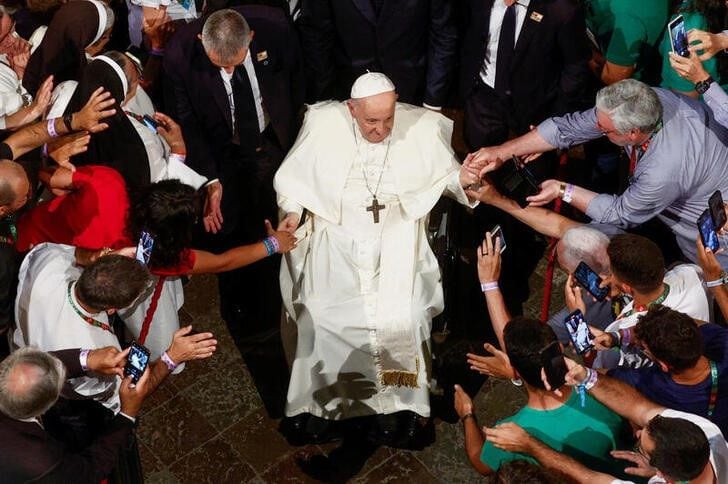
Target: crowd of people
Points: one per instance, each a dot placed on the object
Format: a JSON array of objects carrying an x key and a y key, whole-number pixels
[{"x": 296, "y": 149}]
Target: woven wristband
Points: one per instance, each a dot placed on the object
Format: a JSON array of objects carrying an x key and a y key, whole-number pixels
[
  {"x": 171, "y": 365},
  {"x": 488, "y": 286},
  {"x": 51, "y": 128},
  {"x": 271, "y": 245}
]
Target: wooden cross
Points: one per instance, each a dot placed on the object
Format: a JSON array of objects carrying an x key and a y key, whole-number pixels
[{"x": 375, "y": 208}]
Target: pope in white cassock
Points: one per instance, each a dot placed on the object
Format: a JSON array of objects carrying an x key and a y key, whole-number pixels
[{"x": 363, "y": 285}]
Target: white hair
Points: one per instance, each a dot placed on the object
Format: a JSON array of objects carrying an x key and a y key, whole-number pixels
[
  {"x": 225, "y": 33},
  {"x": 630, "y": 104},
  {"x": 586, "y": 244}
]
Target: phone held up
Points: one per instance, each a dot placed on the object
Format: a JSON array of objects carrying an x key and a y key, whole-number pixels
[
  {"x": 708, "y": 234},
  {"x": 144, "y": 248},
  {"x": 717, "y": 210},
  {"x": 579, "y": 333},
  {"x": 552, "y": 361},
  {"x": 678, "y": 36},
  {"x": 136, "y": 362},
  {"x": 517, "y": 181},
  {"x": 497, "y": 234},
  {"x": 590, "y": 280}
]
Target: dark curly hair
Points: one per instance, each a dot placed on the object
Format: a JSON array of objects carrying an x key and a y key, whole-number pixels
[
  {"x": 671, "y": 336},
  {"x": 168, "y": 210}
]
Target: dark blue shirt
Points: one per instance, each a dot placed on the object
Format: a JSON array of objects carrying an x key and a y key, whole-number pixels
[{"x": 659, "y": 387}]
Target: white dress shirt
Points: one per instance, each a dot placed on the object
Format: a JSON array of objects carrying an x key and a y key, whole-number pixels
[
  {"x": 497, "y": 13},
  {"x": 257, "y": 96}
]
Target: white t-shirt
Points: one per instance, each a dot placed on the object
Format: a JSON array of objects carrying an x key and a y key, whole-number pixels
[{"x": 718, "y": 446}]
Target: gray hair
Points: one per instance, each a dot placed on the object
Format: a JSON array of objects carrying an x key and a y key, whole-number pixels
[
  {"x": 225, "y": 33},
  {"x": 583, "y": 243},
  {"x": 630, "y": 104},
  {"x": 42, "y": 375}
]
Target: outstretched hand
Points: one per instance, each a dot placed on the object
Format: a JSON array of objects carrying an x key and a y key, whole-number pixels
[
  {"x": 497, "y": 365},
  {"x": 286, "y": 240},
  {"x": 90, "y": 116}
]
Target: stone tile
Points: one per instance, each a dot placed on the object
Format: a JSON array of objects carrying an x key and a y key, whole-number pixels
[
  {"x": 201, "y": 296},
  {"x": 150, "y": 462},
  {"x": 403, "y": 467},
  {"x": 162, "y": 477},
  {"x": 257, "y": 439},
  {"x": 224, "y": 396},
  {"x": 498, "y": 399},
  {"x": 286, "y": 470},
  {"x": 446, "y": 459},
  {"x": 213, "y": 462},
  {"x": 164, "y": 393},
  {"x": 379, "y": 457},
  {"x": 174, "y": 429}
]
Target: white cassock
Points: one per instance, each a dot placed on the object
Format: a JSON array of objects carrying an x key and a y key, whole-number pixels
[
  {"x": 363, "y": 294},
  {"x": 46, "y": 317}
]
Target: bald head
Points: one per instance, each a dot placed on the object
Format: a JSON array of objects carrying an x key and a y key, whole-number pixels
[
  {"x": 30, "y": 382},
  {"x": 14, "y": 187},
  {"x": 374, "y": 115}
]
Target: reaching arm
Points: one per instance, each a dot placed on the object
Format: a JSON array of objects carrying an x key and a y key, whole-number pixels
[
  {"x": 489, "y": 261},
  {"x": 542, "y": 220},
  {"x": 474, "y": 438},
  {"x": 88, "y": 119},
  {"x": 512, "y": 438}
]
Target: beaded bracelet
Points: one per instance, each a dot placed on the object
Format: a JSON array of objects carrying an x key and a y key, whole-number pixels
[
  {"x": 271, "y": 245},
  {"x": 488, "y": 286},
  {"x": 171, "y": 365}
]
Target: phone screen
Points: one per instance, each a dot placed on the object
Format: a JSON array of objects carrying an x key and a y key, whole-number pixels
[
  {"x": 136, "y": 362},
  {"x": 707, "y": 231},
  {"x": 150, "y": 122},
  {"x": 144, "y": 248},
  {"x": 497, "y": 232},
  {"x": 552, "y": 361},
  {"x": 678, "y": 36},
  {"x": 717, "y": 210},
  {"x": 590, "y": 281},
  {"x": 579, "y": 332}
]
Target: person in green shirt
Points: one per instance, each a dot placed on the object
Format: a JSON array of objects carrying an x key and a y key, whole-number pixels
[
  {"x": 703, "y": 15},
  {"x": 586, "y": 431},
  {"x": 627, "y": 32}
]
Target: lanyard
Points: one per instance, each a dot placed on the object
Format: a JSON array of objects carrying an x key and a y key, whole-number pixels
[
  {"x": 638, "y": 151},
  {"x": 638, "y": 309},
  {"x": 713, "y": 388},
  {"x": 88, "y": 319}
]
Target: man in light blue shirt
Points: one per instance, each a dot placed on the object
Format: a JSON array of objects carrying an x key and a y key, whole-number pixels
[{"x": 678, "y": 154}]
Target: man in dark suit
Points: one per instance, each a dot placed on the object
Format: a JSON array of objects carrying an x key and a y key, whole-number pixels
[
  {"x": 521, "y": 62},
  {"x": 234, "y": 82},
  {"x": 30, "y": 383},
  {"x": 413, "y": 42}
]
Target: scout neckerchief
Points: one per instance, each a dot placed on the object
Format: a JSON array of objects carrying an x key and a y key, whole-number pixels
[
  {"x": 88, "y": 319},
  {"x": 638, "y": 309}
]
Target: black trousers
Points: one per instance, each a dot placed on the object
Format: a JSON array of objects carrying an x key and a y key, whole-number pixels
[{"x": 490, "y": 120}]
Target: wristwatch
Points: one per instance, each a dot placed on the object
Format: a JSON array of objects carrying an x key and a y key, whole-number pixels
[{"x": 702, "y": 86}]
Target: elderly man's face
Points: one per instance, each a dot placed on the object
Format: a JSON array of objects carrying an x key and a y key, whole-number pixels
[
  {"x": 606, "y": 126},
  {"x": 374, "y": 115}
]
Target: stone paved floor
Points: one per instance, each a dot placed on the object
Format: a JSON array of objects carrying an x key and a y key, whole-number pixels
[{"x": 208, "y": 424}]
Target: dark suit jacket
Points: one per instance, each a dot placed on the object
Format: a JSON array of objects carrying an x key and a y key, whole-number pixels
[
  {"x": 27, "y": 452},
  {"x": 413, "y": 42},
  {"x": 549, "y": 73},
  {"x": 196, "y": 97}
]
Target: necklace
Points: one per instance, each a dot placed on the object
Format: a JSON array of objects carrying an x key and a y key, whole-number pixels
[
  {"x": 88, "y": 319},
  {"x": 375, "y": 207}
]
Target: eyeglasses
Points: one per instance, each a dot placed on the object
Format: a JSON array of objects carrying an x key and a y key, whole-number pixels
[{"x": 604, "y": 131}]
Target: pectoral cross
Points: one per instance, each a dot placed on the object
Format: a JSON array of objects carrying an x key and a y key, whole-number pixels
[{"x": 375, "y": 208}]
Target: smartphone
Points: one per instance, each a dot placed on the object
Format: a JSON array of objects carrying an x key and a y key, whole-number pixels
[
  {"x": 590, "y": 280},
  {"x": 678, "y": 36},
  {"x": 717, "y": 210},
  {"x": 517, "y": 181},
  {"x": 150, "y": 122},
  {"x": 497, "y": 232},
  {"x": 579, "y": 332},
  {"x": 136, "y": 362},
  {"x": 707, "y": 231},
  {"x": 144, "y": 248},
  {"x": 552, "y": 361}
]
